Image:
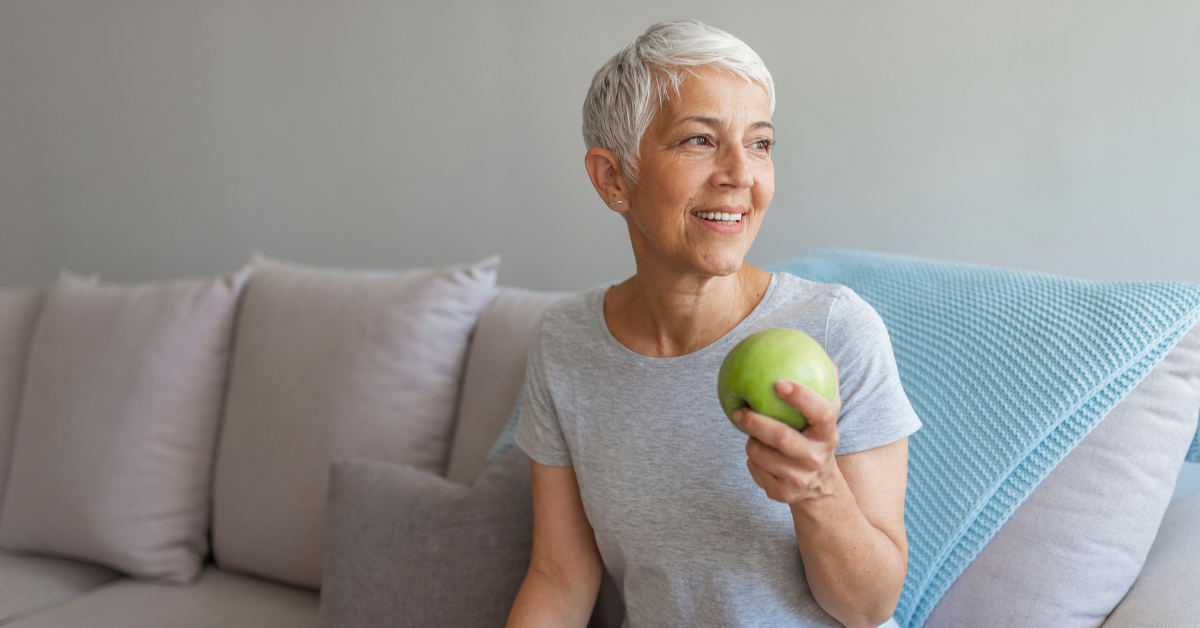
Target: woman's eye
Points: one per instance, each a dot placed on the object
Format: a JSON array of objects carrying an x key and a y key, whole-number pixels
[
  {"x": 764, "y": 144},
  {"x": 699, "y": 140}
]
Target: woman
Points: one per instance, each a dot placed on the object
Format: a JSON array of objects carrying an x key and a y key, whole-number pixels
[{"x": 633, "y": 464}]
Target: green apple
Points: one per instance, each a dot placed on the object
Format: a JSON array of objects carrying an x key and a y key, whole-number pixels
[{"x": 749, "y": 373}]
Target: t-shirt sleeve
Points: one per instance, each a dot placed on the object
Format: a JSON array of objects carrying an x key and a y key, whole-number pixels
[
  {"x": 875, "y": 410},
  {"x": 539, "y": 433}
]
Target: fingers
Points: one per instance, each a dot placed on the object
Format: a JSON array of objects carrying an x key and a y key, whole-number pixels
[
  {"x": 782, "y": 461},
  {"x": 771, "y": 485},
  {"x": 788, "y": 464},
  {"x": 821, "y": 414},
  {"x": 772, "y": 433},
  {"x": 778, "y": 464}
]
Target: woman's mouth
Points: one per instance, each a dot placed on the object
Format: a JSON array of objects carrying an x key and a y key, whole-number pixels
[{"x": 720, "y": 218}]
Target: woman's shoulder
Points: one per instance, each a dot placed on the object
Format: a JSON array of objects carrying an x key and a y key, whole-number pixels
[
  {"x": 793, "y": 288},
  {"x": 574, "y": 316},
  {"x": 837, "y": 305},
  {"x": 793, "y": 293}
]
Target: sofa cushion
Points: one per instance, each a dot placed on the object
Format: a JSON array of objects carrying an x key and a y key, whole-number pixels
[
  {"x": 18, "y": 313},
  {"x": 1165, "y": 594},
  {"x": 494, "y": 371},
  {"x": 119, "y": 414},
  {"x": 1072, "y": 550},
  {"x": 29, "y": 584},
  {"x": 216, "y": 599},
  {"x": 327, "y": 363},
  {"x": 407, "y": 543}
]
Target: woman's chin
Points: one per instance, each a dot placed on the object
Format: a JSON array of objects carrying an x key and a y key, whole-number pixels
[{"x": 722, "y": 266}]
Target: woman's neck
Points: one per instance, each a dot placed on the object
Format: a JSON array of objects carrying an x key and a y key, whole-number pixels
[{"x": 664, "y": 316}]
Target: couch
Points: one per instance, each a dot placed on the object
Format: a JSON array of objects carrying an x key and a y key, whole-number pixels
[{"x": 140, "y": 491}]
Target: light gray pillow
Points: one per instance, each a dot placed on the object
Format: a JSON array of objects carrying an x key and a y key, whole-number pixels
[
  {"x": 333, "y": 363},
  {"x": 1069, "y": 554},
  {"x": 409, "y": 548},
  {"x": 18, "y": 313},
  {"x": 114, "y": 440}
]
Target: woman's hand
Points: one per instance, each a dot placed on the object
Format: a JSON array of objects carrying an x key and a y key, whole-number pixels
[
  {"x": 790, "y": 465},
  {"x": 848, "y": 512}
]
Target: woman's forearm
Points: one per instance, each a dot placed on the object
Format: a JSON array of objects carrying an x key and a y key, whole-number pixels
[
  {"x": 545, "y": 600},
  {"x": 854, "y": 570}
]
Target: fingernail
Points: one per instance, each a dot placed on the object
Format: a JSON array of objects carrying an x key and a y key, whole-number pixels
[{"x": 784, "y": 387}]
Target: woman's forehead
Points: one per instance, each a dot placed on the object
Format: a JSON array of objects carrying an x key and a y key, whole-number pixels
[{"x": 716, "y": 98}]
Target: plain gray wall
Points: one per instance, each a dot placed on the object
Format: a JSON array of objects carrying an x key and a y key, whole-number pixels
[{"x": 147, "y": 140}]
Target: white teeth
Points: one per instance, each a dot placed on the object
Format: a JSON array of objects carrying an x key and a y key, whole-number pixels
[{"x": 722, "y": 217}]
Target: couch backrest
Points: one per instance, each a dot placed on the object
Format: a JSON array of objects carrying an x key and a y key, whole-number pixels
[
  {"x": 18, "y": 312},
  {"x": 494, "y": 372}
]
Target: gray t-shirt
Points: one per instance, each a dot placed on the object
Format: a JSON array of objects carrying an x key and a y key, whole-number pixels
[{"x": 688, "y": 536}]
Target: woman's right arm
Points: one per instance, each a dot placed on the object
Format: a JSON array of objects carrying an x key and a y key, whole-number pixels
[{"x": 564, "y": 574}]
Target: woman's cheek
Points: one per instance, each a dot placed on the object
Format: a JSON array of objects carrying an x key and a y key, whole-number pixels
[{"x": 765, "y": 189}]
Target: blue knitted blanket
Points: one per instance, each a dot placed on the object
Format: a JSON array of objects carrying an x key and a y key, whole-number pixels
[{"x": 1008, "y": 370}]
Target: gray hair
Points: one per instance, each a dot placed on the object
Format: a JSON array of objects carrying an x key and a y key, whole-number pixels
[{"x": 628, "y": 91}]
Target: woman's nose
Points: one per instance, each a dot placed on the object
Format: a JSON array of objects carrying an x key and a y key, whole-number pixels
[{"x": 735, "y": 170}]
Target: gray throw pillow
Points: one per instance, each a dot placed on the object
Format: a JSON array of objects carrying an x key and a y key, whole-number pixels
[{"x": 409, "y": 548}]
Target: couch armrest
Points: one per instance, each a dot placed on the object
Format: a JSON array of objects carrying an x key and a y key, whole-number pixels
[{"x": 1165, "y": 593}]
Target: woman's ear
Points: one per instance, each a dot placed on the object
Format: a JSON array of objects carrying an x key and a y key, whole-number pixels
[{"x": 604, "y": 169}]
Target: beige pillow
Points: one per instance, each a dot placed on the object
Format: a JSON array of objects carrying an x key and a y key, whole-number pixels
[
  {"x": 118, "y": 420},
  {"x": 18, "y": 312},
  {"x": 354, "y": 364}
]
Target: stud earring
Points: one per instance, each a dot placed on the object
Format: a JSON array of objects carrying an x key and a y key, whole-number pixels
[{"x": 611, "y": 202}]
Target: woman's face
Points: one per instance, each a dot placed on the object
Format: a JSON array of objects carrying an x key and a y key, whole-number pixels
[{"x": 706, "y": 154}]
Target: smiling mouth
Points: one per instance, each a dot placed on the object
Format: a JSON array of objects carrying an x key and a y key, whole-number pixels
[{"x": 721, "y": 218}]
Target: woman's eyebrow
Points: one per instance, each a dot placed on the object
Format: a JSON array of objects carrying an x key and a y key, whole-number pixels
[{"x": 715, "y": 122}]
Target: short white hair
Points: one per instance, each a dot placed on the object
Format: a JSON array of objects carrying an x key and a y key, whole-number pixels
[{"x": 628, "y": 91}]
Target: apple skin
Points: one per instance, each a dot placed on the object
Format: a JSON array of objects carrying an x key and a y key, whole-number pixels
[{"x": 749, "y": 373}]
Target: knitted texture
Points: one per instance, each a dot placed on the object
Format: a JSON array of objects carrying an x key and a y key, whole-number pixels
[{"x": 1008, "y": 370}]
